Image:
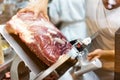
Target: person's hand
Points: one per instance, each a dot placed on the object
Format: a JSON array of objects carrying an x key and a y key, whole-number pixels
[
  {"x": 37, "y": 7},
  {"x": 105, "y": 56},
  {"x": 95, "y": 54}
]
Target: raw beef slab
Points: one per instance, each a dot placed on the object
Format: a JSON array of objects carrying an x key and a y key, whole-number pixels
[{"x": 40, "y": 35}]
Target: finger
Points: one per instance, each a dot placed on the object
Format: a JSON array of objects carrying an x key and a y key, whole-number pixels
[
  {"x": 24, "y": 10},
  {"x": 36, "y": 14},
  {"x": 89, "y": 57},
  {"x": 46, "y": 16},
  {"x": 97, "y": 57},
  {"x": 91, "y": 54},
  {"x": 93, "y": 58}
]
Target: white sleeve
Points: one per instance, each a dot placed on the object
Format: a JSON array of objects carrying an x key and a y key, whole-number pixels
[
  {"x": 54, "y": 10},
  {"x": 67, "y": 10}
]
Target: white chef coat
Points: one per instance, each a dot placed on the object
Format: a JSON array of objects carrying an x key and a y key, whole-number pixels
[
  {"x": 106, "y": 22},
  {"x": 72, "y": 15}
]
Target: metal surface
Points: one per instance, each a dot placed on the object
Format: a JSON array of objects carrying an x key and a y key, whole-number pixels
[
  {"x": 18, "y": 70},
  {"x": 90, "y": 66},
  {"x": 31, "y": 61},
  {"x": 14, "y": 68},
  {"x": 59, "y": 62}
]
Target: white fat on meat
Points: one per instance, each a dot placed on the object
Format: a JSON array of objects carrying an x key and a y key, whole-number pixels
[
  {"x": 47, "y": 24},
  {"x": 21, "y": 27},
  {"x": 51, "y": 31},
  {"x": 48, "y": 34},
  {"x": 59, "y": 40}
]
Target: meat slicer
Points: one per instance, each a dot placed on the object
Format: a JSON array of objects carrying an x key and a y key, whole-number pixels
[{"x": 26, "y": 63}]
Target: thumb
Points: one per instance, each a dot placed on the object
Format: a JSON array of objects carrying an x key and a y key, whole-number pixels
[
  {"x": 46, "y": 16},
  {"x": 36, "y": 14},
  {"x": 91, "y": 56}
]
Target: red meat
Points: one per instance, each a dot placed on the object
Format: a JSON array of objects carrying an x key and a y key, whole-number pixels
[{"x": 40, "y": 35}]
